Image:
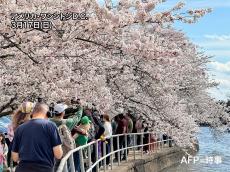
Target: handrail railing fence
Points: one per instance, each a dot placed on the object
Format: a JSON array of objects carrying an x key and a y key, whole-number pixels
[{"x": 103, "y": 154}]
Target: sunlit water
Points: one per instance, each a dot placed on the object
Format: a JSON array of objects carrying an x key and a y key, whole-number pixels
[
  {"x": 215, "y": 147},
  {"x": 4, "y": 121}
]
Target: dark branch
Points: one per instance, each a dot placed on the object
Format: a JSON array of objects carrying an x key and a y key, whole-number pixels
[
  {"x": 2, "y": 108},
  {"x": 7, "y": 46},
  {"x": 19, "y": 48},
  {"x": 6, "y": 55}
]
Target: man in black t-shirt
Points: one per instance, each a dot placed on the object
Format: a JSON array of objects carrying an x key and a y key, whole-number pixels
[{"x": 36, "y": 143}]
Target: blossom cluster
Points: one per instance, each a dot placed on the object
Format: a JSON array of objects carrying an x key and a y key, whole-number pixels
[{"x": 124, "y": 56}]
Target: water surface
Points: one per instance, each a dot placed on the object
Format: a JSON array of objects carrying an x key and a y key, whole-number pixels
[{"x": 214, "y": 153}]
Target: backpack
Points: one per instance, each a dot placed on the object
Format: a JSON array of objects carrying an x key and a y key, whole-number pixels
[{"x": 68, "y": 142}]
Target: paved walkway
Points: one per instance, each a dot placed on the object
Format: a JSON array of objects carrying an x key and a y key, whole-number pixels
[{"x": 125, "y": 166}]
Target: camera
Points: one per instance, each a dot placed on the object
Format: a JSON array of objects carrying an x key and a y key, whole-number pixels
[{"x": 49, "y": 114}]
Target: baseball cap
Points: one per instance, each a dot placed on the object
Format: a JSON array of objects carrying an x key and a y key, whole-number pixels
[
  {"x": 85, "y": 120},
  {"x": 59, "y": 108}
]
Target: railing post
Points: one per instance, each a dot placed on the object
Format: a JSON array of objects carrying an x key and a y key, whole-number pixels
[
  {"x": 158, "y": 145},
  {"x": 170, "y": 142},
  {"x": 161, "y": 143},
  {"x": 82, "y": 161},
  {"x": 160, "y": 140},
  {"x": 11, "y": 165},
  {"x": 134, "y": 148},
  {"x": 126, "y": 145},
  {"x": 89, "y": 156},
  {"x": 118, "y": 149},
  {"x": 111, "y": 150},
  {"x": 104, "y": 153},
  {"x": 96, "y": 148},
  {"x": 142, "y": 147},
  {"x": 72, "y": 168},
  {"x": 149, "y": 143},
  {"x": 65, "y": 167}
]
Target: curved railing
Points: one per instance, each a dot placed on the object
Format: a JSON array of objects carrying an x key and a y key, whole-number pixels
[{"x": 86, "y": 164}]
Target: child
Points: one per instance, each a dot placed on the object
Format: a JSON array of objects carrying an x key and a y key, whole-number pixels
[{"x": 3, "y": 151}]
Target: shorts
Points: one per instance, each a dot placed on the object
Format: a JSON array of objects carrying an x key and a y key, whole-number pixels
[{"x": 33, "y": 167}]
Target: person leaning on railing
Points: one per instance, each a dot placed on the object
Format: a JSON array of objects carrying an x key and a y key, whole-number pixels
[
  {"x": 81, "y": 139},
  {"x": 37, "y": 143},
  {"x": 99, "y": 131},
  {"x": 121, "y": 129},
  {"x": 108, "y": 133},
  {"x": 153, "y": 140},
  {"x": 64, "y": 127},
  {"x": 114, "y": 124},
  {"x": 128, "y": 130},
  {"x": 140, "y": 128},
  {"x": 146, "y": 138}
]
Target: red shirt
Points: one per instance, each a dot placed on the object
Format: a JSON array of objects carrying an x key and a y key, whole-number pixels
[{"x": 122, "y": 126}]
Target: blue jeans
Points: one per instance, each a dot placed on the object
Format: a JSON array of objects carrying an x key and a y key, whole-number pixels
[
  {"x": 77, "y": 163},
  {"x": 1, "y": 167}
]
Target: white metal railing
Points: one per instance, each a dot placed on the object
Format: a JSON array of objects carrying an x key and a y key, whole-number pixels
[{"x": 115, "y": 141}]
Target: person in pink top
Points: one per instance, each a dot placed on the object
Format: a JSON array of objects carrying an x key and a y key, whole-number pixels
[{"x": 3, "y": 151}]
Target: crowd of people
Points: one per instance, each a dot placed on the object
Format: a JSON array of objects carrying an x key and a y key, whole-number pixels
[{"x": 40, "y": 135}]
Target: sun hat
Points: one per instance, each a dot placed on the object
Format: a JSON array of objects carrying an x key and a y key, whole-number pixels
[
  {"x": 85, "y": 120},
  {"x": 59, "y": 108},
  {"x": 26, "y": 107}
]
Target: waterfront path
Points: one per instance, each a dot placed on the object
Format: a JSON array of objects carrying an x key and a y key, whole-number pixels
[{"x": 142, "y": 163}]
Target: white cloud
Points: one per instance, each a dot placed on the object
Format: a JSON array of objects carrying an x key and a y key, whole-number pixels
[
  {"x": 207, "y": 3},
  {"x": 216, "y": 43},
  {"x": 220, "y": 72},
  {"x": 198, "y": 4},
  {"x": 224, "y": 83},
  {"x": 219, "y": 53},
  {"x": 219, "y": 94},
  {"x": 221, "y": 67},
  {"x": 218, "y": 37}
]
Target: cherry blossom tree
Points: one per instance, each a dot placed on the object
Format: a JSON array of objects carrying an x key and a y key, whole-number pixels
[{"x": 116, "y": 55}]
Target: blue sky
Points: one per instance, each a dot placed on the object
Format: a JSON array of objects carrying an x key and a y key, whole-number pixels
[{"x": 212, "y": 34}]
